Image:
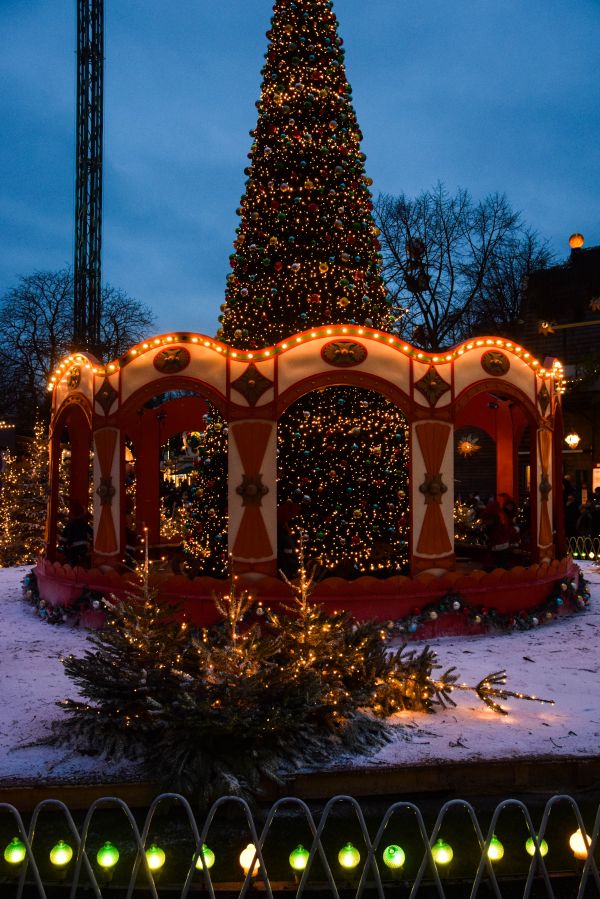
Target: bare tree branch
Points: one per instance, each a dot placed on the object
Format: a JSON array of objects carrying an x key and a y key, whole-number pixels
[
  {"x": 454, "y": 267},
  {"x": 36, "y": 325}
]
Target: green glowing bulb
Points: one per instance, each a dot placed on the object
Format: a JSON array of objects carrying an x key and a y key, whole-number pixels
[
  {"x": 61, "y": 854},
  {"x": 108, "y": 855},
  {"x": 299, "y": 858},
  {"x": 349, "y": 856},
  {"x": 155, "y": 857},
  {"x": 393, "y": 857},
  {"x": 442, "y": 853},
  {"x": 530, "y": 846},
  {"x": 495, "y": 850},
  {"x": 15, "y": 852},
  {"x": 208, "y": 856}
]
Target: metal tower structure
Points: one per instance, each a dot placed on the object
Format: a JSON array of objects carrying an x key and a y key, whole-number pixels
[{"x": 88, "y": 191}]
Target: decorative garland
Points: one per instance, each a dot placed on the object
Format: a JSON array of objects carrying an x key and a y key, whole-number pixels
[
  {"x": 90, "y": 600},
  {"x": 567, "y": 595}
]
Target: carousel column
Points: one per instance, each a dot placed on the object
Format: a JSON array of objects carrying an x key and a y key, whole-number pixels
[
  {"x": 505, "y": 450},
  {"x": 545, "y": 540},
  {"x": 252, "y": 488},
  {"x": 107, "y": 496},
  {"x": 432, "y": 497},
  {"x": 52, "y": 515}
]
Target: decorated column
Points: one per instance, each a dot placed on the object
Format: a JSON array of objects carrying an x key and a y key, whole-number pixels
[
  {"x": 252, "y": 478},
  {"x": 107, "y": 496},
  {"x": 545, "y": 476},
  {"x": 432, "y": 496}
]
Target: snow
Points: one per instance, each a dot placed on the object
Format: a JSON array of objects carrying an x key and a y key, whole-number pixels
[{"x": 558, "y": 661}]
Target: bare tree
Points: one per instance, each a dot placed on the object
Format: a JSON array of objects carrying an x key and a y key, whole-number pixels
[
  {"x": 36, "y": 331},
  {"x": 454, "y": 266}
]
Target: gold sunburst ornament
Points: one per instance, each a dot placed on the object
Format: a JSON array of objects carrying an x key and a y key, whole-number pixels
[{"x": 468, "y": 446}]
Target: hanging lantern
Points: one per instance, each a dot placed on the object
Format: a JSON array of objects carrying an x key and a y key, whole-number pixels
[
  {"x": 299, "y": 858},
  {"x": 155, "y": 857},
  {"x": 579, "y": 844},
  {"x": 530, "y": 847},
  {"x": 468, "y": 446},
  {"x": 15, "y": 852},
  {"x": 349, "y": 857},
  {"x": 208, "y": 855},
  {"x": 495, "y": 849},
  {"x": 61, "y": 854},
  {"x": 442, "y": 853},
  {"x": 108, "y": 856},
  {"x": 393, "y": 857},
  {"x": 247, "y": 856}
]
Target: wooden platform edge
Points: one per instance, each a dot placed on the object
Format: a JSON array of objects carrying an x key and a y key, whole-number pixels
[{"x": 465, "y": 780}]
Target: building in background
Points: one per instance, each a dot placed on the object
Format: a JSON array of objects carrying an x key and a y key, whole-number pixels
[{"x": 561, "y": 319}]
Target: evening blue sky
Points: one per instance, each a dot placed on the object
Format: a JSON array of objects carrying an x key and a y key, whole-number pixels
[{"x": 489, "y": 95}]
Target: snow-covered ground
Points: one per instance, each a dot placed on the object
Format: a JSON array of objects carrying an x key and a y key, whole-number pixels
[{"x": 559, "y": 661}]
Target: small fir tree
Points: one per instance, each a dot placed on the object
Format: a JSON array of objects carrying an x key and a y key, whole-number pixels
[
  {"x": 23, "y": 502},
  {"x": 250, "y": 699}
]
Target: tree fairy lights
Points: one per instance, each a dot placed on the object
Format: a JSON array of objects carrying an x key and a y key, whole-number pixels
[{"x": 306, "y": 250}]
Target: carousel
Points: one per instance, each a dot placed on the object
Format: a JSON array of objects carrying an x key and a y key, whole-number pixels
[{"x": 486, "y": 385}]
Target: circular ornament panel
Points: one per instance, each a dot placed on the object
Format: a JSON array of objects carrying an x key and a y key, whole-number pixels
[
  {"x": 344, "y": 353},
  {"x": 74, "y": 378},
  {"x": 172, "y": 360},
  {"x": 495, "y": 363}
]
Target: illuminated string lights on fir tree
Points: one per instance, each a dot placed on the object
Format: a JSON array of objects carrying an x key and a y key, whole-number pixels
[
  {"x": 257, "y": 696},
  {"x": 307, "y": 249},
  {"x": 205, "y": 515},
  {"x": 307, "y": 254},
  {"x": 351, "y": 489},
  {"x": 23, "y": 502}
]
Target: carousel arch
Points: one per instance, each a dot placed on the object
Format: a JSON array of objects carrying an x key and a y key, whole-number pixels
[{"x": 252, "y": 390}]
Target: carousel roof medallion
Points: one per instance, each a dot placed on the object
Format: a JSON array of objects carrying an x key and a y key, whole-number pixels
[
  {"x": 74, "y": 378},
  {"x": 495, "y": 363},
  {"x": 344, "y": 353},
  {"x": 432, "y": 386},
  {"x": 172, "y": 360}
]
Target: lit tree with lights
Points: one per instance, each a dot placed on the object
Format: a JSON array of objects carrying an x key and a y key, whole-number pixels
[
  {"x": 307, "y": 254},
  {"x": 205, "y": 523},
  {"x": 23, "y": 502}
]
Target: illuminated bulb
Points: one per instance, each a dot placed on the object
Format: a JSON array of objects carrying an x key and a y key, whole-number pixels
[
  {"x": 299, "y": 858},
  {"x": 15, "y": 852},
  {"x": 530, "y": 847},
  {"x": 442, "y": 853},
  {"x": 207, "y": 855},
  {"x": 247, "y": 856},
  {"x": 108, "y": 856},
  {"x": 155, "y": 857},
  {"x": 349, "y": 856},
  {"x": 61, "y": 854},
  {"x": 579, "y": 844},
  {"x": 393, "y": 857},
  {"x": 495, "y": 849}
]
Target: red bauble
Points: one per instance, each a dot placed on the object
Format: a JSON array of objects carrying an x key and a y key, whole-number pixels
[{"x": 278, "y": 266}]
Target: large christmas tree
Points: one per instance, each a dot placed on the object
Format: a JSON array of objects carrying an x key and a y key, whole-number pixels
[
  {"x": 306, "y": 251},
  {"x": 307, "y": 254}
]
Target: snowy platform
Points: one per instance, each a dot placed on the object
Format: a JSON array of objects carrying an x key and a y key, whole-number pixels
[{"x": 559, "y": 745}]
